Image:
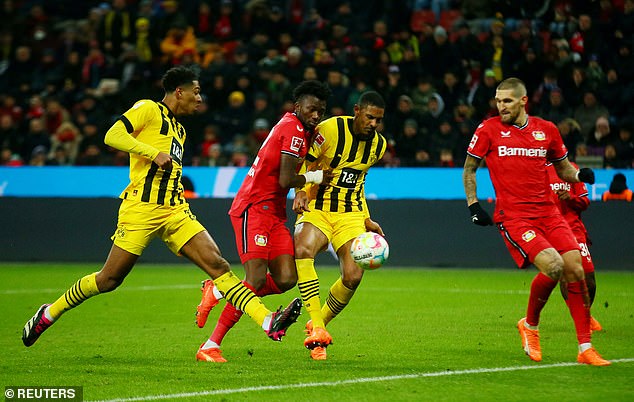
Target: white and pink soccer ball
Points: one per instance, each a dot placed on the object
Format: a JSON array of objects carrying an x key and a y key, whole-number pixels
[{"x": 369, "y": 250}]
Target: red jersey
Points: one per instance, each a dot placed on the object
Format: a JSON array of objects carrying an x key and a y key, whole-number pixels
[
  {"x": 570, "y": 209},
  {"x": 516, "y": 158},
  {"x": 262, "y": 181}
]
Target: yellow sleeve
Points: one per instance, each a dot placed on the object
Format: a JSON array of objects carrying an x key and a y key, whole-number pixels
[{"x": 119, "y": 138}]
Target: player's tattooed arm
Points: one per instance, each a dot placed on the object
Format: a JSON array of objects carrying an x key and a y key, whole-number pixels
[{"x": 469, "y": 179}]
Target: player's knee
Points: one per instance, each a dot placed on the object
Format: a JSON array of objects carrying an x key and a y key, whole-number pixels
[
  {"x": 303, "y": 251},
  {"x": 256, "y": 283},
  {"x": 286, "y": 282},
  {"x": 555, "y": 269}
]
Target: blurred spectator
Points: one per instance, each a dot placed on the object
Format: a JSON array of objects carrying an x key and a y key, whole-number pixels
[
  {"x": 404, "y": 111},
  {"x": 262, "y": 109},
  {"x": 570, "y": 133},
  {"x": 618, "y": 189},
  {"x": 411, "y": 146},
  {"x": 179, "y": 42},
  {"x": 603, "y": 134},
  {"x": 67, "y": 137},
  {"x": 258, "y": 134},
  {"x": 438, "y": 53},
  {"x": 531, "y": 69},
  {"x": 421, "y": 93},
  {"x": 556, "y": 108},
  {"x": 38, "y": 156},
  {"x": 10, "y": 137},
  {"x": 484, "y": 93},
  {"x": 624, "y": 146},
  {"x": 338, "y": 84},
  {"x": 37, "y": 136},
  {"x": 443, "y": 142},
  {"x": 116, "y": 28},
  {"x": 234, "y": 119},
  {"x": 587, "y": 114}
]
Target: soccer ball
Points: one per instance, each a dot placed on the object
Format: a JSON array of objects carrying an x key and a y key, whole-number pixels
[{"x": 369, "y": 250}]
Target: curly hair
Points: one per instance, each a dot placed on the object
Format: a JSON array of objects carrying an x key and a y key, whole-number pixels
[
  {"x": 314, "y": 88},
  {"x": 177, "y": 76}
]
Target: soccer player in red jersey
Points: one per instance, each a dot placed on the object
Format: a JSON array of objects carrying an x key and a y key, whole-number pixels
[
  {"x": 258, "y": 212},
  {"x": 572, "y": 199},
  {"x": 516, "y": 147}
]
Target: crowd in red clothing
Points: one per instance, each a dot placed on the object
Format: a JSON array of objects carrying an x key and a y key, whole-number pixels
[{"x": 69, "y": 69}]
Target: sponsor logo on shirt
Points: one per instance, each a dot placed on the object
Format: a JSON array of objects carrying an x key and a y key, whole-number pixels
[
  {"x": 539, "y": 135},
  {"x": 260, "y": 240},
  {"x": 296, "y": 143},
  {"x": 528, "y": 235},
  {"x": 560, "y": 186},
  {"x": 530, "y": 152}
]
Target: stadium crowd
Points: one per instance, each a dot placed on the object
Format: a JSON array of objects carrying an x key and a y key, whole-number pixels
[{"x": 68, "y": 68}]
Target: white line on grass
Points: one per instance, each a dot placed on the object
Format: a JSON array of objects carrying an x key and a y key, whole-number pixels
[
  {"x": 351, "y": 381},
  {"x": 196, "y": 286}
]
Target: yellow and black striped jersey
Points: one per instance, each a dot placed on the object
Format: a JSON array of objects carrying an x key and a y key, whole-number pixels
[
  {"x": 349, "y": 156},
  {"x": 155, "y": 129}
]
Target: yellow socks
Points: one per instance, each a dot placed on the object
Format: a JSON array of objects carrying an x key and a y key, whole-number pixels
[
  {"x": 84, "y": 289},
  {"x": 308, "y": 284},
  {"x": 241, "y": 297},
  {"x": 338, "y": 299}
]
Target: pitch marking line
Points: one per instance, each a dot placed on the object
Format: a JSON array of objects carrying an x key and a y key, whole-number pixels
[
  {"x": 351, "y": 381},
  {"x": 125, "y": 288}
]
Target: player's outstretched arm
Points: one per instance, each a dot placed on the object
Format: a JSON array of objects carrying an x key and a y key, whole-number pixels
[
  {"x": 566, "y": 171},
  {"x": 289, "y": 178}
]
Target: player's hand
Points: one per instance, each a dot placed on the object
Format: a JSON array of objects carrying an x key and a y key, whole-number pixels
[
  {"x": 372, "y": 226},
  {"x": 479, "y": 216},
  {"x": 328, "y": 176},
  {"x": 563, "y": 195},
  {"x": 163, "y": 160},
  {"x": 586, "y": 175},
  {"x": 300, "y": 203}
]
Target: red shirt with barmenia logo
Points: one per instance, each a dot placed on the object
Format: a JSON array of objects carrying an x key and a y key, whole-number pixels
[{"x": 516, "y": 158}]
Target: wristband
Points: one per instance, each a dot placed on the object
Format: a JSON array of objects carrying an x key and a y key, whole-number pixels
[{"x": 314, "y": 177}]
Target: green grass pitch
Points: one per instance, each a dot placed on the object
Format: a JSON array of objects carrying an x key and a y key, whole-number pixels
[{"x": 408, "y": 335}]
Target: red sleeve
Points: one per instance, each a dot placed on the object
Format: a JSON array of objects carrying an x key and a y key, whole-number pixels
[
  {"x": 557, "y": 150},
  {"x": 292, "y": 139},
  {"x": 579, "y": 200},
  {"x": 479, "y": 145}
]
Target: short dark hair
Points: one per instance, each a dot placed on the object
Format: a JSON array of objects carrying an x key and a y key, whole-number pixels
[
  {"x": 314, "y": 88},
  {"x": 177, "y": 76},
  {"x": 371, "y": 98}
]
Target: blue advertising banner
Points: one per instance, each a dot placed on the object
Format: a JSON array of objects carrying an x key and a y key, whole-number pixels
[{"x": 224, "y": 182}]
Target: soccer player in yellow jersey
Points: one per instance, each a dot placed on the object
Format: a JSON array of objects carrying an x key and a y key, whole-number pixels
[
  {"x": 336, "y": 213},
  {"x": 153, "y": 206}
]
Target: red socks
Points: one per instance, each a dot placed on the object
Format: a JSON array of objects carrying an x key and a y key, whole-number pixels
[
  {"x": 541, "y": 288},
  {"x": 579, "y": 305}
]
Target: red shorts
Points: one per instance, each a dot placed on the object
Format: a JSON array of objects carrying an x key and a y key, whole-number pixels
[
  {"x": 525, "y": 238},
  {"x": 260, "y": 233}
]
